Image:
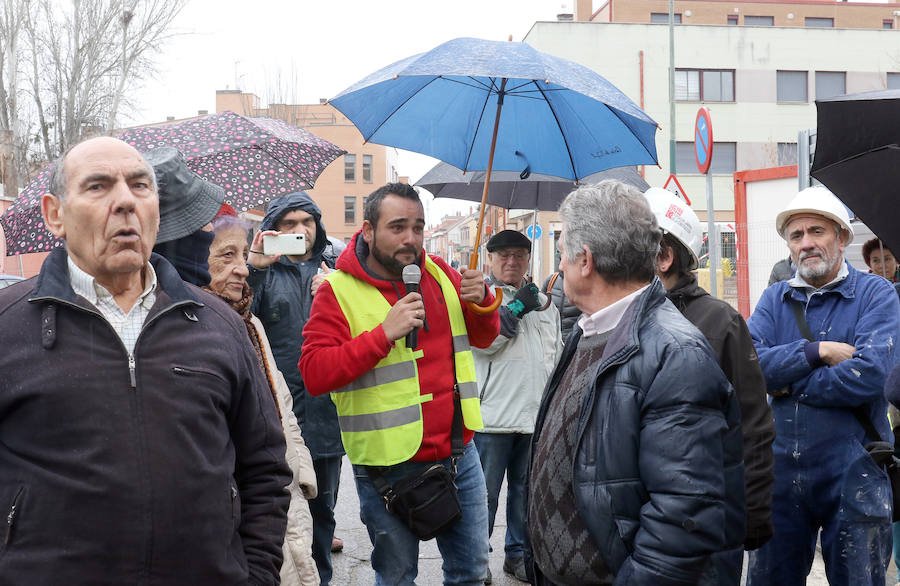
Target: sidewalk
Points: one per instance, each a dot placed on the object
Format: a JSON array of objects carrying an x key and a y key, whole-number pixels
[{"x": 352, "y": 568}]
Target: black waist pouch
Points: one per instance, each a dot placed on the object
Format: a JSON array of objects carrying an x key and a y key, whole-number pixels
[{"x": 425, "y": 501}]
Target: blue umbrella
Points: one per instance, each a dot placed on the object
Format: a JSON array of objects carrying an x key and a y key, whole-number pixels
[{"x": 558, "y": 117}]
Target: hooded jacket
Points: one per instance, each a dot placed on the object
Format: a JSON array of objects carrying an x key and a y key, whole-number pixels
[
  {"x": 657, "y": 475},
  {"x": 727, "y": 333},
  {"x": 332, "y": 359},
  {"x": 168, "y": 469},
  {"x": 282, "y": 301},
  {"x": 514, "y": 369}
]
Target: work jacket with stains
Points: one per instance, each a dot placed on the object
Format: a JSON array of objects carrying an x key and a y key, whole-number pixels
[{"x": 861, "y": 310}]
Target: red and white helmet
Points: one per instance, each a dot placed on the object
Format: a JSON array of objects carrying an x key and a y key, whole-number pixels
[{"x": 676, "y": 217}]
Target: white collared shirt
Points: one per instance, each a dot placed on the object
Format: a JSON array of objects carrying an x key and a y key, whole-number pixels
[
  {"x": 607, "y": 318},
  {"x": 127, "y": 326}
]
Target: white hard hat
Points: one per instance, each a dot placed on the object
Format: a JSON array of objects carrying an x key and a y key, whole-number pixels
[
  {"x": 818, "y": 201},
  {"x": 676, "y": 217}
]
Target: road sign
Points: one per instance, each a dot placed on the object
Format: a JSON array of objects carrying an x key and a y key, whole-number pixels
[
  {"x": 703, "y": 140},
  {"x": 533, "y": 231},
  {"x": 675, "y": 187}
]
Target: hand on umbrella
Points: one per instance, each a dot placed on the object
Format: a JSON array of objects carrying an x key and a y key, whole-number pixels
[
  {"x": 256, "y": 258},
  {"x": 471, "y": 288},
  {"x": 319, "y": 277}
]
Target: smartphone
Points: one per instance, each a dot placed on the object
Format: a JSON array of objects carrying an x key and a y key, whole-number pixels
[{"x": 285, "y": 244}]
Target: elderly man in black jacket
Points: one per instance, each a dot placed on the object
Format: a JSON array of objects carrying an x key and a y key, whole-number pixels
[
  {"x": 139, "y": 442},
  {"x": 636, "y": 474}
]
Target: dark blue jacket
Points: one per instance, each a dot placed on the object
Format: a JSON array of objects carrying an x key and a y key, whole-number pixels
[
  {"x": 658, "y": 475},
  {"x": 282, "y": 301},
  {"x": 863, "y": 311},
  {"x": 163, "y": 467}
]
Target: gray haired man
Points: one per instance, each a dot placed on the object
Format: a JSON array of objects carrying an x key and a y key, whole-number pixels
[{"x": 636, "y": 474}]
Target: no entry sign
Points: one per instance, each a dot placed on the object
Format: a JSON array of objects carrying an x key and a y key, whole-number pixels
[{"x": 703, "y": 140}]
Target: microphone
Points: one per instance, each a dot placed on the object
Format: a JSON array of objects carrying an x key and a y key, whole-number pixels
[{"x": 412, "y": 274}]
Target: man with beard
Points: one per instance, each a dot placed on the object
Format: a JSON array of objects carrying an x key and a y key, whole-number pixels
[
  {"x": 826, "y": 388},
  {"x": 396, "y": 397}
]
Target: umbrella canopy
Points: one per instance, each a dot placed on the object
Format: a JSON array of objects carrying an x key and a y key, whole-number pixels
[
  {"x": 858, "y": 157},
  {"x": 510, "y": 191},
  {"x": 254, "y": 159},
  {"x": 559, "y": 118}
]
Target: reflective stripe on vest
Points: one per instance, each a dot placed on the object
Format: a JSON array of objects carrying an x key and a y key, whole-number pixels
[{"x": 380, "y": 412}]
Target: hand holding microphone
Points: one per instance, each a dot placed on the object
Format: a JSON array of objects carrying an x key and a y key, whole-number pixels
[{"x": 407, "y": 314}]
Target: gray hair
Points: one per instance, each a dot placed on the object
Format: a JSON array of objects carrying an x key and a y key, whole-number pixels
[
  {"x": 229, "y": 222},
  {"x": 613, "y": 221},
  {"x": 58, "y": 179}
]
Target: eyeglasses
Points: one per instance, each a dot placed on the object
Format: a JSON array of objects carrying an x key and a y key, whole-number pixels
[{"x": 517, "y": 254}]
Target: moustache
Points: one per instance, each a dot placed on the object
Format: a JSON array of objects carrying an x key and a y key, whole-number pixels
[
  {"x": 806, "y": 255},
  {"x": 406, "y": 250}
]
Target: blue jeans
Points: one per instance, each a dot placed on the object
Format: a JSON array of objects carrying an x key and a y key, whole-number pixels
[
  {"x": 463, "y": 547},
  {"x": 836, "y": 488},
  {"x": 328, "y": 477},
  {"x": 506, "y": 454}
]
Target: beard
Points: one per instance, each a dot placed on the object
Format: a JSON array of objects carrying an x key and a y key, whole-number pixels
[
  {"x": 814, "y": 273},
  {"x": 390, "y": 261}
]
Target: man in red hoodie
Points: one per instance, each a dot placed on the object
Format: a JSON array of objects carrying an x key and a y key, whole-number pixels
[{"x": 395, "y": 396}]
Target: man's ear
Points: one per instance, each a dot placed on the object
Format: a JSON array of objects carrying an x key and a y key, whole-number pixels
[
  {"x": 586, "y": 261},
  {"x": 53, "y": 212},
  {"x": 368, "y": 232},
  {"x": 665, "y": 259}
]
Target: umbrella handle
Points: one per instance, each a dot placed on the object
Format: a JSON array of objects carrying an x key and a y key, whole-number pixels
[
  {"x": 549, "y": 287},
  {"x": 498, "y": 295}
]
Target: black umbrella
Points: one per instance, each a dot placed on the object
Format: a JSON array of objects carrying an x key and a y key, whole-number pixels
[
  {"x": 510, "y": 191},
  {"x": 858, "y": 157}
]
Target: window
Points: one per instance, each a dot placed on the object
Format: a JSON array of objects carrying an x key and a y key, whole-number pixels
[
  {"x": 816, "y": 22},
  {"x": 787, "y": 153},
  {"x": 708, "y": 85},
  {"x": 350, "y": 210},
  {"x": 830, "y": 83},
  {"x": 367, "y": 168},
  {"x": 732, "y": 19},
  {"x": 887, "y": 23},
  {"x": 350, "y": 168},
  {"x": 663, "y": 18},
  {"x": 792, "y": 86},
  {"x": 893, "y": 81},
  {"x": 759, "y": 20},
  {"x": 723, "y": 161}
]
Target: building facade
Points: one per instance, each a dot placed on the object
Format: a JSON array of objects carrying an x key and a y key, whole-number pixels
[{"x": 759, "y": 83}]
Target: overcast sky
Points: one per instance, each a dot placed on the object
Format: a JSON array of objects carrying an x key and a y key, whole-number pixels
[{"x": 317, "y": 48}]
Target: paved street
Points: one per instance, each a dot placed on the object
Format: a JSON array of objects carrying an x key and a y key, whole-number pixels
[{"x": 352, "y": 568}]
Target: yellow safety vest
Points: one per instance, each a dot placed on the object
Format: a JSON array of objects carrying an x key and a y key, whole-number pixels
[{"x": 380, "y": 413}]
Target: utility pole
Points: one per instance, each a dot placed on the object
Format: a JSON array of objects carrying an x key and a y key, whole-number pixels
[{"x": 672, "y": 87}]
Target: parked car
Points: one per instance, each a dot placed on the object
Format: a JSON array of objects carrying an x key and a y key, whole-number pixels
[{"x": 7, "y": 280}]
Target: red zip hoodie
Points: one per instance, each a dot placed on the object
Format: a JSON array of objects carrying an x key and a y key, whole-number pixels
[{"x": 330, "y": 358}]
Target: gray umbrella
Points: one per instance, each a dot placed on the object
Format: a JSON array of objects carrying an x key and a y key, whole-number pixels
[{"x": 508, "y": 190}]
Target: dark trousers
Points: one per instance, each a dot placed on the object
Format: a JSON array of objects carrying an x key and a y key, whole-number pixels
[{"x": 328, "y": 477}]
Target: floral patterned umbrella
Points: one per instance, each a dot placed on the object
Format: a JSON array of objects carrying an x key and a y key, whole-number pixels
[{"x": 254, "y": 159}]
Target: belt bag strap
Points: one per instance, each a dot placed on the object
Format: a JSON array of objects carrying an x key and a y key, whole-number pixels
[
  {"x": 376, "y": 473},
  {"x": 860, "y": 411}
]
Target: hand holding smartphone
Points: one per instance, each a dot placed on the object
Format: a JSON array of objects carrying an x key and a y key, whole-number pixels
[{"x": 292, "y": 244}]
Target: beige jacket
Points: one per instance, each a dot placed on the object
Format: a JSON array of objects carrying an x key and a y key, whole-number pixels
[{"x": 298, "y": 568}]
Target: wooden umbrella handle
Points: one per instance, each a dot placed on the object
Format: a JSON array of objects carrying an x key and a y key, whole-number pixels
[{"x": 498, "y": 295}]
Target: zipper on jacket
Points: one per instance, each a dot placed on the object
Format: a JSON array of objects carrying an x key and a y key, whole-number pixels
[
  {"x": 131, "y": 368},
  {"x": 11, "y": 517}
]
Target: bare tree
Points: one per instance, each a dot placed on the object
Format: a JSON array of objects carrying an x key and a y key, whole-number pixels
[{"x": 78, "y": 60}]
